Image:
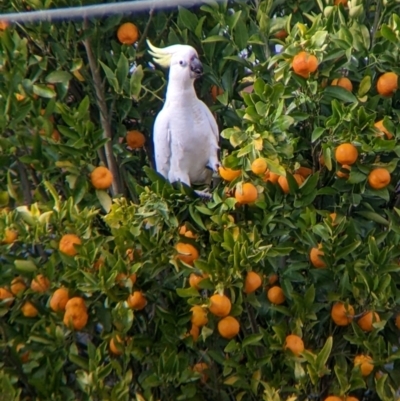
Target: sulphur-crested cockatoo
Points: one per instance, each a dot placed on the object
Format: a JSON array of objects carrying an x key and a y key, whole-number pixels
[{"x": 185, "y": 132}]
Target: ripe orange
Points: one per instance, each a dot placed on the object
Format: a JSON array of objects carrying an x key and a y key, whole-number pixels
[
  {"x": 24, "y": 355},
  {"x": 4, "y": 25},
  {"x": 99, "y": 263},
  {"x": 29, "y": 310},
  {"x": 220, "y": 305},
  {"x": 5, "y": 294},
  {"x": 75, "y": 317},
  {"x": 382, "y": 129},
  {"x": 344, "y": 82},
  {"x": 252, "y": 282},
  {"x": 315, "y": 259},
  {"x": 397, "y": 321},
  {"x": 128, "y": 33},
  {"x": 248, "y": 194},
  {"x": 276, "y": 296},
  {"x": 387, "y": 84},
  {"x": 201, "y": 368},
  {"x": 341, "y": 314},
  {"x": 56, "y": 135},
  {"x": 365, "y": 321},
  {"x": 101, "y": 177},
  {"x": 366, "y": 364},
  {"x": 273, "y": 278},
  {"x": 294, "y": 343},
  {"x": 186, "y": 253},
  {"x": 17, "y": 285},
  {"x": 346, "y": 153},
  {"x": 40, "y": 284},
  {"x": 304, "y": 171},
  {"x": 67, "y": 243},
  {"x": 194, "y": 332},
  {"x": 284, "y": 184},
  {"x": 59, "y": 299},
  {"x": 333, "y": 397},
  {"x": 228, "y": 327},
  {"x": 10, "y": 236},
  {"x": 199, "y": 316},
  {"x": 137, "y": 300},
  {"x": 115, "y": 345},
  {"x": 135, "y": 139},
  {"x": 333, "y": 219},
  {"x": 270, "y": 176},
  {"x": 281, "y": 34},
  {"x": 344, "y": 2},
  {"x": 186, "y": 233},
  {"x": 122, "y": 278},
  {"x": 342, "y": 174},
  {"x": 19, "y": 96},
  {"x": 379, "y": 178},
  {"x": 194, "y": 280},
  {"x": 228, "y": 174},
  {"x": 216, "y": 91},
  {"x": 259, "y": 166},
  {"x": 304, "y": 63}
]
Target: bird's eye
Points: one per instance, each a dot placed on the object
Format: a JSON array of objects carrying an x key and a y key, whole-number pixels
[{"x": 181, "y": 62}]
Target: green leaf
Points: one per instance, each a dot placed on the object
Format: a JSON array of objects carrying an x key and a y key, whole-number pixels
[
  {"x": 388, "y": 34},
  {"x": 111, "y": 78},
  {"x": 344, "y": 251},
  {"x": 365, "y": 86},
  {"x": 58, "y": 77},
  {"x": 317, "y": 132},
  {"x": 215, "y": 38},
  {"x": 323, "y": 355},
  {"x": 135, "y": 83},
  {"x": 122, "y": 70},
  {"x": 187, "y": 292},
  {"x": 252, "y": 339},
  {"x": 44, "y": 91},
  {"x": 187, "y": 19},
  {"x": 25, "y": 266},
  {"x": 104, "y": 199},
  {"x": 372, "y": 216},
  {"x": 337, "y": 92}
]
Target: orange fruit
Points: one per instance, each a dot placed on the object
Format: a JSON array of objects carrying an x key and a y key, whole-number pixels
[
  {"x": 333, "y": 219},
  {"x": 135, "y": 139},
  {"x": 10, "y": 236},
  {"x": 67, "y": 243},
  {"x": 382, "y": 129},
  {"x": 29, "y": 310},
  {"x": 342, "y": 174},
  {"x": 216, "y": 91},
  {"x": 186, "y": 233},
  {"x": 59, "y": 299},
  {"x": 281, "y": 34},
  {"x": 270, "y": 176},
  {"x": 40, "y": 284},
  {"x": 259, "y": 166},
  {"x": 137, "y": 300},
  {"x": 194, "y": 280},
  {"x": 387, "y": 84},
  {"x": 17, "y": 285},
  {"x": 344, "y": 82},
  {"x": 315, "y": 259},
  {"x": 379, "y": 178},
  {"x": 304, "y": 171},
  {"x": 75, "y": 302},
  {"x": 366, "y": 320},
  {"x": 342, "y": 315},
  {"x": 24, "y": 355},
  {"x": 99, "y": 263},
  {"x": 5, "y": 294},
  {"x": 252, "y": 282},
  {"x": 299, "y": 179},
  {"x": 273, "y": 278},
  {"x": 276, "y": 296},
  {"x": 220, "y": 305},
  {"x": 199, "y": 316},
  {"x": 228, "y": 327},
  {"x": 346, "y": 153},
  {"x": 228, "y": 174},
  {"x": 115, "y": 345},
  {"x": 20, "y": 97},
  {"x": 366, "y": 364},
  {"x": 101, "y": 178},
  {"x": 75, "y": 317},
  {"x": 122, "y": 278},
  {"x": 333, "y": 397},
  {"x": 397, "y": 321},
  {"x": 294, "y": 343},
  {"x": 344, "y": 2},
  {"x": 128, "y": 33},
  {"x": 4, "y": 25},
  {"x": 284, "y": 184},
  {"x": 201, "y": 368},
  {"x": 55, "y": 135},
  {"x": 186, "y": 253},
  {"x": 304, "y": 63},
  {"x": 194, "y": 332},
  {"x": 248, "y": 194}
]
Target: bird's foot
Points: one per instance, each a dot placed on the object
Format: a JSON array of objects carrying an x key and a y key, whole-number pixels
[{"x": 205, "y": 194}]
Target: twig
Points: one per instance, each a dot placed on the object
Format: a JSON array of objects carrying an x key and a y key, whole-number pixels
[
  {"x": 146, "y": 28},
  {"x": 104, "y": 117},
  {"x": 376, "y": 22},
  {"x": 26, "y": 188}
]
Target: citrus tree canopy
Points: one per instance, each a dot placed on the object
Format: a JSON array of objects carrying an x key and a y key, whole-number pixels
[{"x": 118, "y": 285}]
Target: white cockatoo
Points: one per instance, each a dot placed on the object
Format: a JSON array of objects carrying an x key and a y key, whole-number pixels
[{"x": 185, "y": 132}]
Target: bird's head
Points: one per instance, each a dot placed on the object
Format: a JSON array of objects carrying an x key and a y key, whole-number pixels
[{"x": 182, "y": 60}]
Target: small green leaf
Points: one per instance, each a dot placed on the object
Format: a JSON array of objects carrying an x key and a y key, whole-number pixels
[
  {"x": 337, "y": 92},
  {"x": 252, "y": 339},
  {"x": 58, "y": 77},
  {"x": 25, "y": 266},
  {"x": 104, "y": 199},
  {"x": 187, "y": 292}
]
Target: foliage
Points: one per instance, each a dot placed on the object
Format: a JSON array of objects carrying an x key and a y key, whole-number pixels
[{"x": 81, "y": 91}]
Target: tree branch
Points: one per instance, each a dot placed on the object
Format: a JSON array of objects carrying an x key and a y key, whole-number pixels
[
  {"x": 116, "y": 186},
  {"x": 146, "y": 29}
]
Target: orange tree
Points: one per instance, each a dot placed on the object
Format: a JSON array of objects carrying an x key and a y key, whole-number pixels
[{"x": 117, "y": 285}]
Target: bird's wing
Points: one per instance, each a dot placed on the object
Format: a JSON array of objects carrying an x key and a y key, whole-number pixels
[
  {"x": 211, "y": 120},
  {"x": 162, "y": 143}
]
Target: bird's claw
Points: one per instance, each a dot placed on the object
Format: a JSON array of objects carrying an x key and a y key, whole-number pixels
[{"x": 205, "y": 194}]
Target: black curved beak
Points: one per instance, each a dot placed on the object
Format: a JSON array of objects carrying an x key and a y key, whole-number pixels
[{"x": 196, "y": 68}]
